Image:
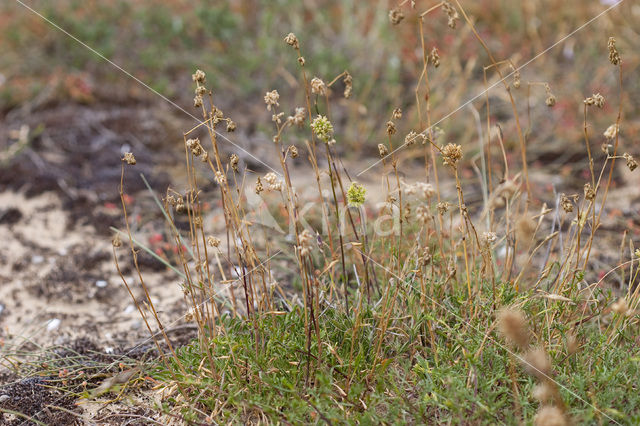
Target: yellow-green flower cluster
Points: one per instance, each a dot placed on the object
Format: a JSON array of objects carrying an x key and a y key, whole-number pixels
[
  {"x": 322, "y": 127},
  {"x": 355, "y": 195}
]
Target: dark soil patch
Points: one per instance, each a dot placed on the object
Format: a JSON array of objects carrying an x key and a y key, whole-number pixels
[{"x": 35, "y": 399}]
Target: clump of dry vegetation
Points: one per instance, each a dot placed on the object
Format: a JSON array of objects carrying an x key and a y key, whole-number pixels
[{"x": 390, "y": 312}]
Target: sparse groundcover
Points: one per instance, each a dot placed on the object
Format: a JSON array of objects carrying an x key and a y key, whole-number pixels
[{"x": 364, "y": 259}]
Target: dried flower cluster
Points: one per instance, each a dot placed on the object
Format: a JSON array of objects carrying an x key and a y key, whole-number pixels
[
  {"x": 322, "y": 127},
  {"x": 271, "y": 99},
  {"x": 452, "y": 14},
  {"x": 396, "y": 16},
  {"x": 596, "y": 99},
  {"x": 451, "y": 154},
  {"x": 129, "y": 158},
  {"x": 292, "y": 41},
  {"x": 614, "y": 56},
  {"x": 318, "y": 87}
]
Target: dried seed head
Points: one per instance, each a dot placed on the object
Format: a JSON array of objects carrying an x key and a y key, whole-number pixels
[
  {"x": 596, "y": 99},
  {"x": 190, "y": 315},
  {"x": 516, "y": 79},
  {"x": 605, "y": 147},
  {"x": 355, "y": 194},
  {"x": 421, "y": 189},
  {"x": 231, "y": 126},
  {"x": 220, "y": 178},
  {"x": 551, "y": 99},
  {"x": 129, "y": 159},
  {"x": 537, "y": 363},
  {"x": 383, "y": 150},
  {"x": 259, "y": 187},
  {"x": 391, "y": 128},
  {"x": 200, "y": 91},
  {"x": 452, "y": 14},
  {"x": 301, "y": 61},
  {"x": 194, "y": 146},
  {"x": 294, "y": 151},
  {"x": 213, "y": 241},
  {"x": 422, "y": 214},
  {"x": 513, "y": 325},
  {"x": 632, "y": 164},
  {"x": 199, "y": 77},
  {"x": 451, "y": 154},
  {"x": 620, "y": 307},
  {"x": 566, "y": 203},
  {"x": 396, "y": 114},
  {"x": 275, "y": 184},
  {"x": 318, "y": 87},
  {"x": 277, "y": 118},
  {"x": 589, "y": 192},
  {"x": 488, "y": 238},
  {"x": 348, "y": 84},
  {"x": 614, "y": 56},
  {"x": 396, "y": 16},
  {"x": 116, "y": 241},
  {"x": 271, "y": 99},
  {"x": 550, "y": 415},
  {"x": 292, "y": 40},
  {"x": 442, "y": 207},
  {"x": 197, "y": 101},
  {"x": 234, "y": 160},
  {"x": 298, "y": 117},
  {"x": 305, "y": 243},
  {"x": 322, "y": 127},
  {"x": 434, "y": 57}
]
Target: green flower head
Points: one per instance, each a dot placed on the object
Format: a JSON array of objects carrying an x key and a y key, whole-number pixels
[
  {"x": 355, "y": 194},
  {"x": 322, "y": 127}
]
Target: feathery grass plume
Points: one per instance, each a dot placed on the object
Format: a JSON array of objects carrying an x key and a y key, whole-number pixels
[
  {"x": 322, "y": 127},
  {"x": 356, "y": 194},
  {"x": 525, "y": 229},
  {"x": 512, "y": 323},
  {"x": 550, "y": 416},
  {"x": 620, "y": 306},
  {"x": 537, "y": 363}
]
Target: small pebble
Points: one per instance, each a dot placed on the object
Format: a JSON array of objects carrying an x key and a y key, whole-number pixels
[
  {"x": 37, "y": 259},
  {"x": 101, "y": 283},
  {"x": 53, "y": 324}
]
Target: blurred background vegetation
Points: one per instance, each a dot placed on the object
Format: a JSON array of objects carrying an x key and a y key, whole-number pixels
[{"x": 240, "y": 46}]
